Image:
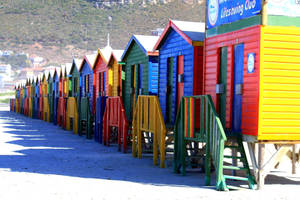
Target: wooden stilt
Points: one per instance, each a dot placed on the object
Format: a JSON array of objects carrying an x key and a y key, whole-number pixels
[
  {"x": 261, "y": 177},
  {"x": 294, "y": 159}
]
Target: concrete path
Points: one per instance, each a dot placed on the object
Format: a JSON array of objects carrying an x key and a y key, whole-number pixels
[{"x": 41, "y": 161}]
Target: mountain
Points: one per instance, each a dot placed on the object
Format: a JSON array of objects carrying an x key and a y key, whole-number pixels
[{"x": 60, "y": 29}]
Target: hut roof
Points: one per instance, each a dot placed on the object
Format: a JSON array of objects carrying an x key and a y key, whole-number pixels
[
  {"x": 146, "y": 43},
  {"x": 192, "y": 32}
]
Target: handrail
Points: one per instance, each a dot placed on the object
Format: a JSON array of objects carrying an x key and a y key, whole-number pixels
[
  {"x": 215, "y": 144},
  {"x": 85, "y": 115},
  {"x": 197, "y": 120},
  {"x": 72, "y": 113},
  {"x": 147, "y": 117},
  {"x": 114, "y": 116},
  {"x": 99, "y": 116},
  {"x": 46, "y": 109}
]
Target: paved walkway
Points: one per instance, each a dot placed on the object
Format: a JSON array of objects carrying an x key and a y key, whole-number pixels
[{"x": 41, "y": 161}]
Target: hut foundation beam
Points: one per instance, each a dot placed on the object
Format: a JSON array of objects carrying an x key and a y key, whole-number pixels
[
  {"x": 260, "y": 167},
  {"x": 264, "y": 169}
]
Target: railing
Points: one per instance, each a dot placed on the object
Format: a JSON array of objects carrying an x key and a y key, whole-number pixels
[
  {"x": 26, "y": 106},
  {"x": 18, "y": 107},
  {"x": 72, "y": 115},
  {"x": 12, "y": 105},
  {"x": 46, "y": 109},
  {"x": 30, "y": 107},
  {"x": 61, "y": 112},
  {"x": 85, "y": 122},
  {"x": 148, "y": 117},
  {"x": 55, "y": 110},
  {"x": 214, "y": 144},
  {"x": 99, "y": 115},
  {"x": 114, "y": 116},
  {"x": 36, "y": 108},
  {"x": 41, "y": 108},
  {"x": 198, "y": 121},
  {"x": 22, "y": 105}
]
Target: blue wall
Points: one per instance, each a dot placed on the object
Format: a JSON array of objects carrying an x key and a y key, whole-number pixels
[
  {"x": 153, "y": 75},
  {"x": 37, "y": 90},
  {"x": 173, "y": 46},
  {"x": 86, "y": 69},
  {"x": 56, "y": 89}
]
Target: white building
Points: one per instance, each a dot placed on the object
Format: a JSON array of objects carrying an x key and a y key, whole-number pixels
[{"x": 5, "y": 74}]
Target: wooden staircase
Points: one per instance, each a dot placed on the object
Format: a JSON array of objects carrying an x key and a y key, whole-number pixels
[
  {"x": 198, "y": 123},
  {"x": 239, "y": 163}
]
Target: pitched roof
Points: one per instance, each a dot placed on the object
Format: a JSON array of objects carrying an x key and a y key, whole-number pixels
[
  {"x": 146, "y": 43},
  {"x": 76, "y": 63},
  {"x": 118, "y": 54},
  {"x": 192, "y": 32},
  {"x": 68, "y": 68},
  {"x": 106, "y": 51},
  {"x": 90, "y": 59}
]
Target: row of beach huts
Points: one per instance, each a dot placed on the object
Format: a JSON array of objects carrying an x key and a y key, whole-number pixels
[{"x": 199, "y": 93}]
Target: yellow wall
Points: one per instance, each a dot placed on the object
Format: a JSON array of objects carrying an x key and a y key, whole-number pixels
[
  {"x": 279, "y": 101},
  {"x": 116, "y": 77}
]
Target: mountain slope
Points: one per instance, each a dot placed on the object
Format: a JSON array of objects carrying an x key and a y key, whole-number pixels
[{"x": 61, "y": 23}]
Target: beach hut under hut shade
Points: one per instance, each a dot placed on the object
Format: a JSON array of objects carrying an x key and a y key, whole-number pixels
[
  {"x": 101, "y": 74},
  {"x": 86, "y": 77},
  {"x": 115, "y": 73},
  {"x": 140, "y": 64},
  {"x": 56, "y": 93},
  {"x": 66, "y": 83},
  {"x": 180, "y": 64},
  {"x": 51, "y": 92},
  {"x": 75, "y": 79}
]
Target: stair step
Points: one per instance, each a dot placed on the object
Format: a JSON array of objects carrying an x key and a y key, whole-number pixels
[
  {"x": 239, "y": 178},
  {"x": 234, "y": 157},
  {"x": 234, "y": 167}
]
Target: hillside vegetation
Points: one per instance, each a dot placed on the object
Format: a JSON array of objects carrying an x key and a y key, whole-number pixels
[{"x": 69, "y": 24}]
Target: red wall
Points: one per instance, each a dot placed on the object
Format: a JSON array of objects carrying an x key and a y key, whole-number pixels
[
  {"x": 198, "y": 70},
  {"x": 251, "y": 39},
  {"x": 100, "y": 66}
]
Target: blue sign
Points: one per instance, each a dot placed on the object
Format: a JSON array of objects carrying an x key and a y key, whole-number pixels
[
  {"x": 250, "y": 62},
  {"x": 226, "y": 11}
]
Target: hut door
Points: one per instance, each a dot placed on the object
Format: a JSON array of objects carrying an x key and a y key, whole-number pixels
[
  {"x": 180, "y": 84},
  {"x": 132, "y": 87},
  {"x": 169, "y": 93},
  {"x": 221, "y": 86},
  {"x": 237, "y": 88},
  {"x": 140, "y": 79},
  {"x": 99, "y": 84}
]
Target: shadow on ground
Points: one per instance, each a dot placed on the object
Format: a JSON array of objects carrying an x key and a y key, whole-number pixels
[{"x": 44, "y": 148}]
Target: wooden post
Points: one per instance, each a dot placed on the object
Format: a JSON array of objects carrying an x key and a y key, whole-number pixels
[
  {"x": 294, "y": 159},
  {"x": 261, "y": 155},
  {"x": 264, "y": 12}
]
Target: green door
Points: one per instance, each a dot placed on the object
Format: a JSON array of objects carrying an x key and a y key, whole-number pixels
[
  {"x": 169, "y": 93},
  {"x": 222, "y": 85}
]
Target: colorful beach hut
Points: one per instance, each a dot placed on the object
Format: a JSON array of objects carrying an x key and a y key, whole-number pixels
[
  {"x": 251, "y": 77},
  {"x": 61, "y": 106},
  {"x": 46, "y": 108},
  {"x": 115, "y": 73},
  {"x": 141, "y": 70},
  {"x": 36, "y": 97},
  {"x": 51, "y": 93},
  {"x": 56, "y": 93},
  {"x": 180, "y": 64},
  {"x": 101, "y": 88},
  {"x": 74, "y": 96},
  {"x": 86, "y": 104},
  {"x": 41, "y": 97}
]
